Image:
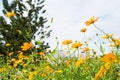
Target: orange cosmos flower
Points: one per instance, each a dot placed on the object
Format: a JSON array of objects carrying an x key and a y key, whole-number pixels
[
  {"x": 1, "y": 55},
  {"x": 10, "y": 14},
  {"x": 3, "y": 69},
  {"x": 26, "y": 46},
  {"x": 31, "y": 75},
  {"x": 7, "y": 44},
  {"x": 80, "y": 61},
  {"x": 107, "y": 66},
  {"x": 119, "y": 74},
  {"x": 86, "y": 49},
  {"x": 44, "y": 75},
  {"x": 108, "y": 58},
  {"x": 100, "y": 73},
  {"x": 117, "y": 41},
  {"x": 76, "y": 45},
  {"x": 68, "y": 62},
  {"x": 83, "y": 30},
  {"x": 107, "y": 36},
  {"x": 66, "y": 42},
  {"x": 11, "y": 53},
  {"x": 41, "y": 53},
  {"x": 91, "y": 21},
  {"x": 48, "y": 69}
]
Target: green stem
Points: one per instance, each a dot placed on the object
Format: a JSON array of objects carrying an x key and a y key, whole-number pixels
[
  {"x": 103, "y": 32},
  {"x": 99, "y": 29},
  {"x": 84, "y": 37},
  {"x": 78, "y": 53}
]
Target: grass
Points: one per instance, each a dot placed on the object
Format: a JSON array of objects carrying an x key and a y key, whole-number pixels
[{"x": 82, "y": 62}]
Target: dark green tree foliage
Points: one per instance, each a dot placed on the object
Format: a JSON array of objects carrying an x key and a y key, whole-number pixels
[{"x": 28, "y": 20}]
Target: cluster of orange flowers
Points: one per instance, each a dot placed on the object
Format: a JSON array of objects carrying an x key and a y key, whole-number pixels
[
  {"x": 24, "y": 47},
  {"x": 102, "y": 71},
  {"x": 15, "y": 62},
  {"x": 108, "y": 59},
  {"x": 31, "y": 74},
  {"x": 88, "y": 23},
  {"x": 74, "y": 45}
]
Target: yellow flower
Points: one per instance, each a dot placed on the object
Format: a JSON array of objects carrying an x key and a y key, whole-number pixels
[
  {"x": 31, "y": 75},
  {"x": 48, "y": 69},
  {"x": 26, "y": 46},
  {"x": 59, "y": 71},
  {"x": 67, "y": 52},
  {"x": 1, "y": 55},
  {"x": 107, "y": 36},
  {"x": 44, "y": 57},
  {"x": 107, "y": 66},
  {"x": 10, "y": 14},
  {"x": 76, "y": 45},
  {"x": 22, "y": 56},
  {"x": 86, "y": 49},
  {"x": 117, "y": 41},
  {"x": 41, "y": 53},
  {"x": 11, "y": 53},
  {"x": 119, "y": 74},
  {"x": 9, "y": 67},
  {"x": 16, "y": 63},
  {"x": 43, "y": 75},
  {"x": 91, "y": 21},
  {"x": 83, "y": 30},
  {"x": 7, "y": 44},
  {"x": 108, "y": 58},
  {"x": 118, "y": 61},
  {"x": 3, "y": 69},
  {"x": 100, "y": 73},
  {"x": 68, "y": 62},
  {"x": 79, "y": 62},
  {"x": 66, "y": 42},
  {"x": 112, "y": 45},
  {"x": 12, "y": 60}
]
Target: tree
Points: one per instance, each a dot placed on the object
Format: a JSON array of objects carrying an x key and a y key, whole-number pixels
[{"x": 26, "y": 21}]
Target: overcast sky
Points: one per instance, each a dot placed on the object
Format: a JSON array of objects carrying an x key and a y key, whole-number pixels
[{"x": 70, "y": 15}]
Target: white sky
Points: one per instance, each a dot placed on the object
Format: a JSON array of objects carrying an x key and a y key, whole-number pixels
[{"x": 70, "y": 15}]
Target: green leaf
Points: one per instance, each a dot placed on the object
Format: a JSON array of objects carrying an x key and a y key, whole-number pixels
[{"x": 54, "y": 51}]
